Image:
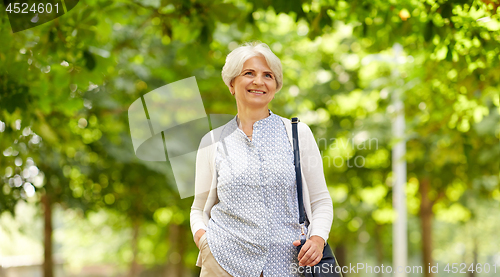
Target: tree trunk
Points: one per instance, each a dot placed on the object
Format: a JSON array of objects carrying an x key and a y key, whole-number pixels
[
  {"x": 426, "y": 224},
  {"x": 379, "y": 247},
  {"x": 176, "y": 251},
  {"x": 48, "y": 265},
  {"x": 182, "y": 249},
  {"x": 134, "y": 266},
  {"x": 340, "y": 254},
  {"x": 474, "y": 257}
]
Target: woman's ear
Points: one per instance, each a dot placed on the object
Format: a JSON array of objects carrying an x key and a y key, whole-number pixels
[{"x": 231, "y": 89}]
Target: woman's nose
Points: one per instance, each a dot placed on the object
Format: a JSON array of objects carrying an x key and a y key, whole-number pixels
[{"x": 258, "y": 80}]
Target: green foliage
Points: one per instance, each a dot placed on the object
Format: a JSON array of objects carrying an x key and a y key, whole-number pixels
[{"x": 65, "y": 87}]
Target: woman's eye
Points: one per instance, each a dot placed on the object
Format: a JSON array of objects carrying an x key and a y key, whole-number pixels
[
  {"x": 269, "y": 76},
  {"x": 248, "y": 73}
]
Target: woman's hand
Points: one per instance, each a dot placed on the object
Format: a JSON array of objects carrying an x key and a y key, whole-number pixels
[
  {"x": 311, "y": 252},
  {"x": 198, "y": 235}
]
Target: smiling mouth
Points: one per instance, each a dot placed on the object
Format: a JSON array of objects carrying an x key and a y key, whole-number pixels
[{"x": 256, "y": 92}]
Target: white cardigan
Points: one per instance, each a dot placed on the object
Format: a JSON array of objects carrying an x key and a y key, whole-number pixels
[{"x": 317, "y": 200}]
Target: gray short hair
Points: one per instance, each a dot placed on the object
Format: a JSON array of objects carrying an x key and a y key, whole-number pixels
[{"x": 237, "y": 57}]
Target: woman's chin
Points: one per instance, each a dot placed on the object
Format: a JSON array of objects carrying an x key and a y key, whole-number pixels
[{"x": 257, "y": 103}]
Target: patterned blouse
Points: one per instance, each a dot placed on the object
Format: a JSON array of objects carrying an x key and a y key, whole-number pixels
[{"x": 252, "y": 228}]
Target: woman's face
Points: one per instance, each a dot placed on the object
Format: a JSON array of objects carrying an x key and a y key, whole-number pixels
[{"x": 256, "y": 85}]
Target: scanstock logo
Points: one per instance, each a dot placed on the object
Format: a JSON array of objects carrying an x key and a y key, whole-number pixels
[
  {"x": 168, "y": 123},
  {"x": 28, "y": 14}
]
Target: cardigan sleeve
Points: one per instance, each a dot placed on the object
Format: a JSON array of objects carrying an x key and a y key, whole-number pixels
[
  {"x": 319, "y": 196},
  {"x": 203, "y": 179}
]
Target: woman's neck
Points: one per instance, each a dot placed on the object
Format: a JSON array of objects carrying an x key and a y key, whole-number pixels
[{"x": 247, "y": 117}]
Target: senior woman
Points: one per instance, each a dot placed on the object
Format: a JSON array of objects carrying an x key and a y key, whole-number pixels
[{"x": 244, "y": 217}]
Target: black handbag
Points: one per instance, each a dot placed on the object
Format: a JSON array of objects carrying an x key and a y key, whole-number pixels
[{"x": 328, "y": 266}]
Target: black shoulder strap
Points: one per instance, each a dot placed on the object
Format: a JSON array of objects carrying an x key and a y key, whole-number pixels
[{"x": 298, "y": 173}]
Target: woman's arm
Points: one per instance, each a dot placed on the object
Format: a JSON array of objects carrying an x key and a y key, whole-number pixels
[
  {"x": 321, "y": 204},
  {"x": 203, "y": 180},
  {"x": 319, "y": 196}
]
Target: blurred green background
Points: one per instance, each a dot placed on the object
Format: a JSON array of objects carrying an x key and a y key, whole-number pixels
[{"x": 73, "y": 192}]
